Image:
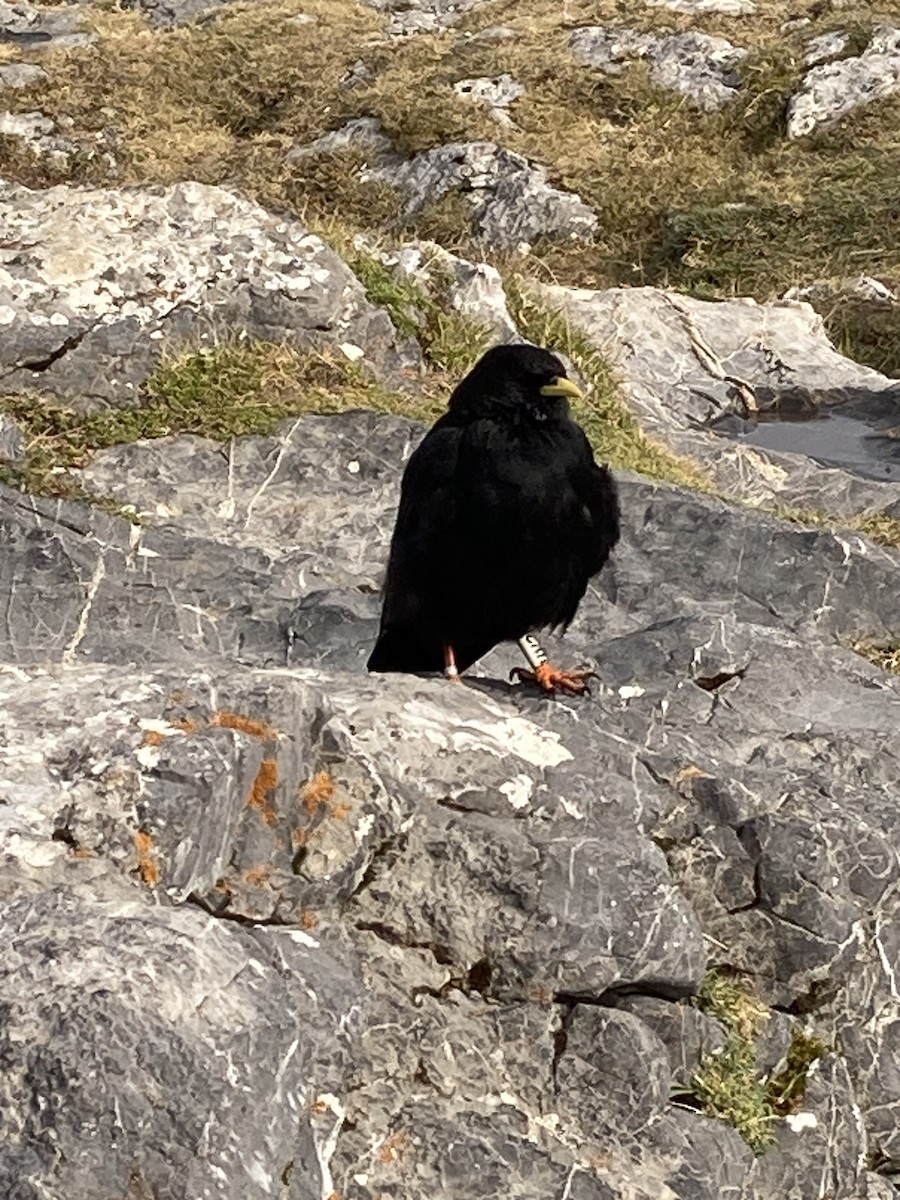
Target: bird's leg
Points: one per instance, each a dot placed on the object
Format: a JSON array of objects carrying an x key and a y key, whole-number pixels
[
  {"x": 450, "y": 669},
  {"x": 549, "y": 678}
]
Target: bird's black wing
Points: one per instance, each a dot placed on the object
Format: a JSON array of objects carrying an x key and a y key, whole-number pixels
[
  {"x": 588, "y": 525},
  {"x": 596, "y": 489},
  {"x": 421, "y": 560}
]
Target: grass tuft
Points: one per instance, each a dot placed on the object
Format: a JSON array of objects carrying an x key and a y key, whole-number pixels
[
  {"x": 885, "y": 656},
  {"x": 727, "y": 1082},
  {"x": 788, "y": 1087},
  {"x": 231, "y": 390}
]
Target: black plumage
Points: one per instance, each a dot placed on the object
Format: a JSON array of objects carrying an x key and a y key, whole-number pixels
[{"x": 504, "y": 516}]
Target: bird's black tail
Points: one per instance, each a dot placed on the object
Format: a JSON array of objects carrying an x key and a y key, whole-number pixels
[{"x": 406, "y": 650}]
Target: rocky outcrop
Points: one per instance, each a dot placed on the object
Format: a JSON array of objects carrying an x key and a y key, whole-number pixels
[
  {"x": 38, "y": 26},
  {"x": 357, "y": 934},
  {"x": 96, "y": 284},
  {"x": 833, "y": 89},
  {"x": 512, "y": 203},
  {"x": 698, "y": 66},
  {"x": 700, "y": 373},
  {"x": 407, "y": 17}
]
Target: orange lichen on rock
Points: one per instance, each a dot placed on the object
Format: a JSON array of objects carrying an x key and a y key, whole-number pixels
[
  {"x": 392, "y": 1148},
  {"x": 148, "y": 866},
  {"x": 257, "y": 729},
  {"x": 264, "y": 784},
  {"x": 185, "y": 724},
  {"x": 153, "y": 737},
  {"x": 317, "y": 792},
  {"x": 308, "y": 919}
]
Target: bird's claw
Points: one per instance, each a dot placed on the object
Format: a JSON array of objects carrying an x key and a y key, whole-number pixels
[{"x": 552, "y": 679}]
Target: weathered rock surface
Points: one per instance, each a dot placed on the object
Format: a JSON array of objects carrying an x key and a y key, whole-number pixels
[
  {"x": 494, "y": 94},
  {"x": 39, "y": 135},
  {"x": 202, "y": 736},
  {"x": 37, "y": 27},
  {"x": 168, "y": 13},
  {"x": 422, "y": 16},
  {"x": 12, "y": 440},
  {"x": 695, "y": 371},
  {"x": 512, "y": 202},
  {"x": 697, "y": 65},
  {"x": 95, "y": 284},
  {"x": 473, "y": 289},
  {"x": 21, "y": 75},
  {"x": 728, "y": 8},
  {"x": 832, "y": 90}
]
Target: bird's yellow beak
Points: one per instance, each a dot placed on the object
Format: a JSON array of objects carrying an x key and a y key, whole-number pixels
[{"x": 561, "y": 386}]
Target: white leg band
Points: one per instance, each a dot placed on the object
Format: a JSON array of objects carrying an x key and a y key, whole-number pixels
[{"x": 532, "y": 650}]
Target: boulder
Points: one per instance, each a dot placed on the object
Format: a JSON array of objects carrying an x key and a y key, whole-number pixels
[
  {"x": 21, "y": 75},
  {"x": 834, "y": 89},
  {"x": 406, "y": 17},
  {"x": 97, "y": 284},
  {"x": 41, "y": 26},
  {"x": 696, "y": 65},
  {"x": 511, "y": 201},
  {"x": 702, "y": 376}
]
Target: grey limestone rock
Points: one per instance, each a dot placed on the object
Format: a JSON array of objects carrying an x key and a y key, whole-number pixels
[
  {"x": 167, "y": 14},
  {"x": 140, "y": 1032},
  {"x": 12, "y": 440},
  {"x": 473, "y": 289},
  {"x": 39, "y": 135},
  {"x": 21, "y": 75},
  {"x": 512, "y": 202},
  {"x": 696, "y": 370},
  {"x": 406, "y": 17},
  {"x": 728, "y": 8},
  {"x": 833, "y": 89},
  {"x": 495, "y": 94},
  {"x": 39, "y": 26},
  {"x": 825, "y": 47},
  {"x": 697, "y": 65},
  {"x": 452, "y": 925},
  {"x": 361, "y": 133},
  {"x": 96, "y": 283}
]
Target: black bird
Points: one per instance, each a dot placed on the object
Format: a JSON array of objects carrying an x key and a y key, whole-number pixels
[{"x": 504, "y": 517}]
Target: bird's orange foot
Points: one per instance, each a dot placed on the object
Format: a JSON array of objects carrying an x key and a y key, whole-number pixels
[{"x": 552, "y": 679}]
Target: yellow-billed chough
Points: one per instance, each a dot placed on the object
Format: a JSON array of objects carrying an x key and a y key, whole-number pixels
[{"x": 504, "y": 517}]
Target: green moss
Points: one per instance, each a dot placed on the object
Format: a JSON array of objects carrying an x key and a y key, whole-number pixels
[
  {"x": 451, "y": 343},
  {"x": 727, "y": 1083},
  {"x": 788, "y": 1087}
]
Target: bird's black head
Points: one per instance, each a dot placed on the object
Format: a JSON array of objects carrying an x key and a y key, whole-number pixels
[{"x": 507, "y": 378}]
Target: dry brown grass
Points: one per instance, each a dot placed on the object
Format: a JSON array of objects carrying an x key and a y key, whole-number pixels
[{"x": 714, "y": 204}]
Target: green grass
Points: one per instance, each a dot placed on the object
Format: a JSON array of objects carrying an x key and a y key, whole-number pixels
[
  {"x": 232, "y": 390},
  {"x": 451, "y": 343},
  {"x": 787, "y": 1088},
  {"x": 727, "y": 1083}
]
